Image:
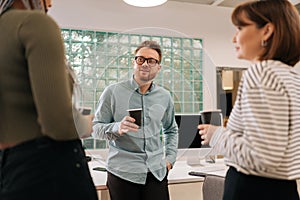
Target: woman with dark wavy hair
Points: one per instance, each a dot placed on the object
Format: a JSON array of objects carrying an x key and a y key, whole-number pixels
[{"x": 261, "y": 142}]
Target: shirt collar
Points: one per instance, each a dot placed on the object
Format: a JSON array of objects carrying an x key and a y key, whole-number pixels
[{"x": 135, "y": 86}]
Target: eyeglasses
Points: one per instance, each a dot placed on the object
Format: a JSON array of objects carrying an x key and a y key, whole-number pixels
[{"x": 152, "y": 62}]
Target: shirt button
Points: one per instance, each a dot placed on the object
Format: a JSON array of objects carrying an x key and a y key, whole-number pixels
[
  {"x": 75, "y": 150},
  {"x": 78, "y": 165}
]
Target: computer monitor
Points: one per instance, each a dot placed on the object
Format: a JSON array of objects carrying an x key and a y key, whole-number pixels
[
  {"x": 188, "y": 132},
  {"x": 189, "y": 142}
]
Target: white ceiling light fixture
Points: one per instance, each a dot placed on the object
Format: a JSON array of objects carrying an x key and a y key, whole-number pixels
[{"x": 145, "y": 3}]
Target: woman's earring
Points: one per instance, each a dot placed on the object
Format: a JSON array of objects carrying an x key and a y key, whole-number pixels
[{"x": 264, "y": 43}]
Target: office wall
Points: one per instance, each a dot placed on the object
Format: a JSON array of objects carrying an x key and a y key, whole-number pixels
[{"x": 212, "y": 24}]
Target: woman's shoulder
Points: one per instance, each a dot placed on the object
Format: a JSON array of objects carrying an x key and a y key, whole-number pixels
[
  {"x": 41, "y": 18},
  {"x": 31, "y": 17},
  {"x": 265, "y": 73},
  {"x": 27, "y": 13}
]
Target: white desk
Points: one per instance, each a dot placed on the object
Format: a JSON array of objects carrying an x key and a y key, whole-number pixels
[{"x": 181, "y": 185}]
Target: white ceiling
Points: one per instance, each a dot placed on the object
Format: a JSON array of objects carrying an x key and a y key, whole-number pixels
[{"x": 227, "y": 3}]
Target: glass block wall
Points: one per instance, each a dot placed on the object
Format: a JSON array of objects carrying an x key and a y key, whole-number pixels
[{"x": 102, "y": 58}]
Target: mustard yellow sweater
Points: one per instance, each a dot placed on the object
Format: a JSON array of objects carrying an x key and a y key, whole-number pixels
[{"x": 35, "y": 94}]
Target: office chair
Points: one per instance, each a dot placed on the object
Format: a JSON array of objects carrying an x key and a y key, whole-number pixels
[{"x": 213, "y": 187}]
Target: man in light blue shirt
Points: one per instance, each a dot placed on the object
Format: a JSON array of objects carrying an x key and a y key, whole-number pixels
[{"x": 139, "y": 156}]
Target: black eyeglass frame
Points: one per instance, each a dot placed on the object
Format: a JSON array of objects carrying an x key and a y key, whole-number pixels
[{"x": 146, "y": 59}]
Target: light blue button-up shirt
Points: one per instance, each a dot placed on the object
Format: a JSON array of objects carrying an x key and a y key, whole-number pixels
[{"x": 134, "y": 154}]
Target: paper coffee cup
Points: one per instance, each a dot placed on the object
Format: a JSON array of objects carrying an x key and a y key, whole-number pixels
[{"x": 213, "y": 117}]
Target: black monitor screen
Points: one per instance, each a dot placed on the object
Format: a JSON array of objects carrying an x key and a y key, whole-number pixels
[{"x": 188, "y": 132}]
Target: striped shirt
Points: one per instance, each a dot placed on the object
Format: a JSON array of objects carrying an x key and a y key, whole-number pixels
[{"x": 263, "y": 132}]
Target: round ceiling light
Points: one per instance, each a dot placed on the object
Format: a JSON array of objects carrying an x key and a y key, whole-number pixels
[{"x": 145, "y": 3}]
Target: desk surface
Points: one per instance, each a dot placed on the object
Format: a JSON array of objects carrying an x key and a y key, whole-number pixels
[{"x": 179, "y": 173}]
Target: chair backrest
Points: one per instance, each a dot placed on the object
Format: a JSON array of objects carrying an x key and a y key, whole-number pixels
[{"x": 213, "y": 187}]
